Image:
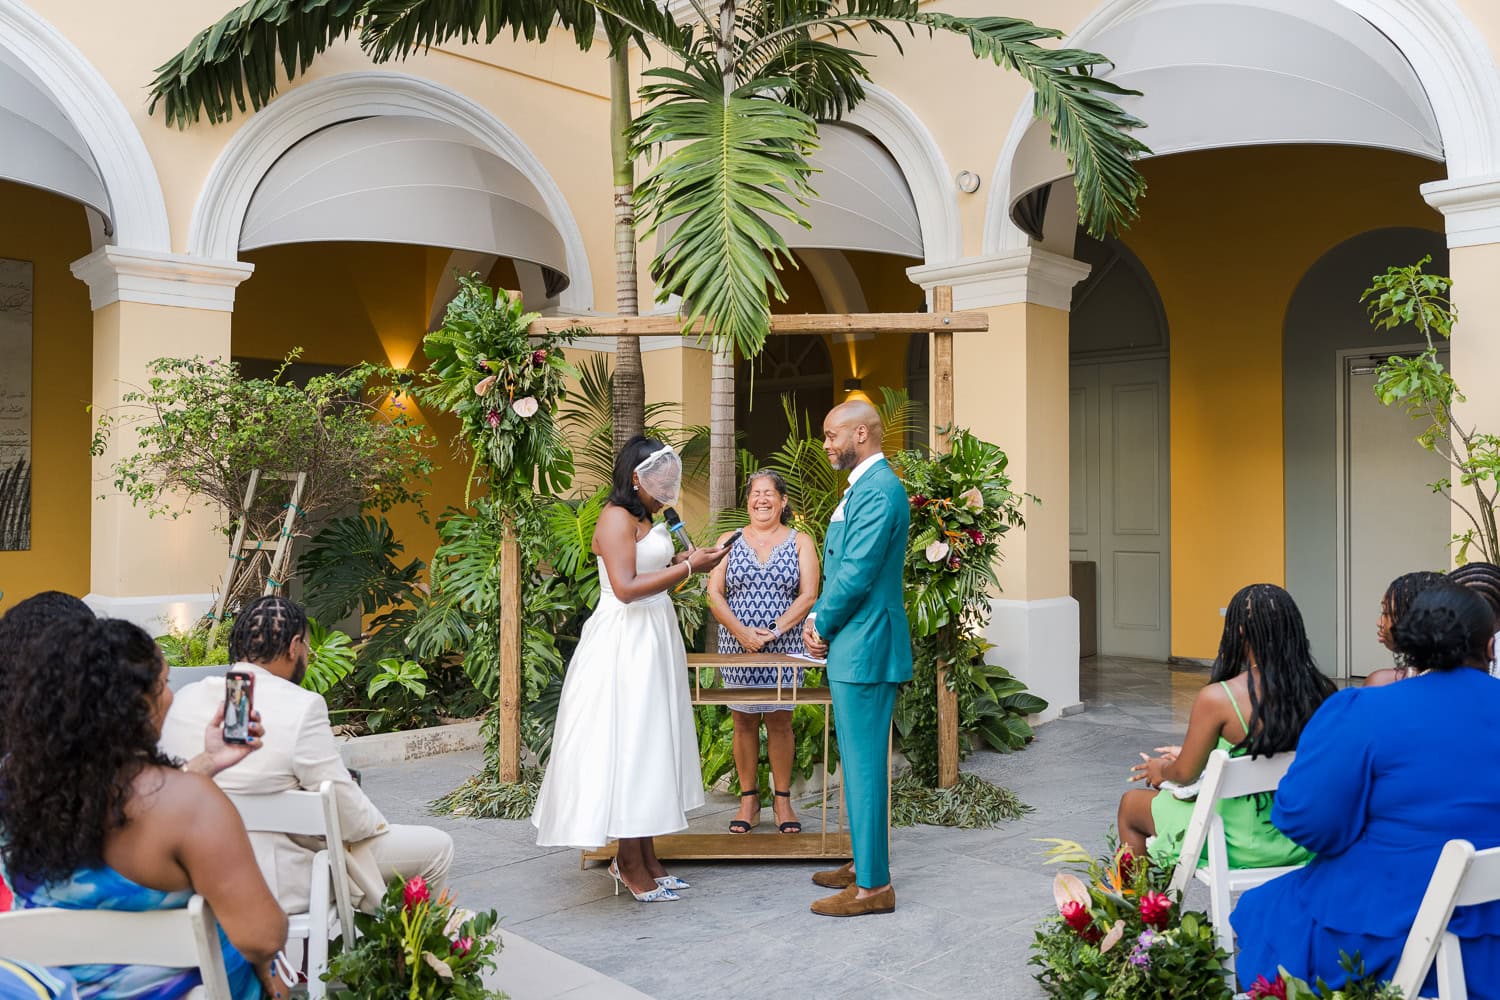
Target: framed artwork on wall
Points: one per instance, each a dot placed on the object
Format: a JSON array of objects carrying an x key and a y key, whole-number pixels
[{"x": 15, "y": 405}]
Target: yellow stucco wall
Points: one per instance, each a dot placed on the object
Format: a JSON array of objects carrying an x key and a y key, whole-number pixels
[
  {"x": 51, "y": 232},
  {"x": 1226, "y": 236}
]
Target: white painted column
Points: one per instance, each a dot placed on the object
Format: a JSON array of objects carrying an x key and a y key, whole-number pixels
[
  {"x": 159, "y": 571},
  {"x": 1011, "y": 388}
]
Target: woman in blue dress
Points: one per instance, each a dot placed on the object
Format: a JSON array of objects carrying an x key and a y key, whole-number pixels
[
  {"x": 1384, "y": 777},
  {"x": 93, "y": 816},
  {"x": 759, "y": 595}
]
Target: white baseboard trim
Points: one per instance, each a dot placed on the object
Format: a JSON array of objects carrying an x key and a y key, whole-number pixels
[
  {"x": 156, "y": 613},
  {"x": 1037, "y": 641}
]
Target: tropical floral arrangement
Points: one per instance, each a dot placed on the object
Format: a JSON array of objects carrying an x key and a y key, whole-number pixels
[
  {"x": 1118, "y": 935},
  {"x": 1360, "y": 985},
  {"x": 419, "y": 948},
  {"x": 962, "y": 505},
  {"x": 504, "y": 386}
]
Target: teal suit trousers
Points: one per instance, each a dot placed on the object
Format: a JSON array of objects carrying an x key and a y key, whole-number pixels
[{"x": 862, "y": 713}]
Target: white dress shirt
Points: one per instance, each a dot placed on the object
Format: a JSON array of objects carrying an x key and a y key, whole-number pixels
[{"x": 854, "y": 475}]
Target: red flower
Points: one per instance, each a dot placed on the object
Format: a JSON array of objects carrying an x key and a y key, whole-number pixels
[
  {"x": 975, "y": 535},
  {"x": 493, "y": 418},
  {"x": 462, "y": 946},
  {"x": 1076, "y": 915},
  {"x": 1127, "y": 866},
  {"x": 1156, "y": 910},
  {"x": 415, "y": 892},
  {"x": 538, "y": 358},
  {"x": 919, "y": 501},
  {"x": 1262, "y": 989},
  {"x": 953, "y": 561}
]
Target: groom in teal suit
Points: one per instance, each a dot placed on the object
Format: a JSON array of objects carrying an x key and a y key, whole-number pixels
[{"x": 859, "y": 623}]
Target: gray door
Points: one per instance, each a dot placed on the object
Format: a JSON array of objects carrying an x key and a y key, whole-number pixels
[
  {"x": 1393, "y": 521},
  {"x": 1119, "y": 511}
]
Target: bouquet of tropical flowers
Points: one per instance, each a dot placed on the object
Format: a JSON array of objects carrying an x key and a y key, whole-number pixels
[
  {"x": 1118, "y": 935},
  {"x": 419, "y": 948},
  {"x": 1360, "y": 986}
]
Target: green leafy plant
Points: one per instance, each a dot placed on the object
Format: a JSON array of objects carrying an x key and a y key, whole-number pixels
[
  {"x": 408, "y": 675},
  {"x": 191, "y": 648},
  {"x": 588, "y": 419},
  {"x": 1117, "y": 935},
  {"x": 331, "y": 657},
  {"x": 199, "y": 428},
  {"x": 419, "y": 948},
  {"x": 1420, "y": 385},
  {"x": 972, "y": 803},
  {"x": 1360, "y": 985}
]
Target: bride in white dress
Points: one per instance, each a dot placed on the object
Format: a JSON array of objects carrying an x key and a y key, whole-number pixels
[{"x": 624, "y": 760}]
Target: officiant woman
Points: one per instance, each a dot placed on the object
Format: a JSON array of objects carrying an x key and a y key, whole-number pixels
[{"x": 760, "y": 594}]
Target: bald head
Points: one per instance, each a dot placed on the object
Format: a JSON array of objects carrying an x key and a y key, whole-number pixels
[{"x": 851, "y": 433}]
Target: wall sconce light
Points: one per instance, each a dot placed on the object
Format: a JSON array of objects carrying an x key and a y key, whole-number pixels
[
  {"x": 967, "y": 181},
  {"x": 851, "y": 384}
]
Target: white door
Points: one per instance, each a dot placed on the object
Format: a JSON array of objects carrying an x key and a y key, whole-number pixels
[
  {"x": 1393, "y": 522},
  {"x": 1119, "y": 510}
]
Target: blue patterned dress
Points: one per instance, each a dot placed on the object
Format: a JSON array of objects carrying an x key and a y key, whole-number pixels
[
  {"x": 758, "y": 593},
  {"x": 104, "y": 888}
]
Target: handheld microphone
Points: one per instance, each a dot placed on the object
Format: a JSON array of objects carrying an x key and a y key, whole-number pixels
[{"x": 675, "y": 525}]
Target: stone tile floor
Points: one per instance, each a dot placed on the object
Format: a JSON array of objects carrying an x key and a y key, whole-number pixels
[{"x": 967, "y": 899}]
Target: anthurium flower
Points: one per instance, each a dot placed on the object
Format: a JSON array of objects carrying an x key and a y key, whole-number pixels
[
  {"x": 1069, "y": 888},
  {"x": 937, "y": 551},
  {"x": 1113, "y": 937},
  {"x": 525, "y": 407},
  {"x": 972, "y": 498},
  {"x": 438, "y": 965},
  {"x": 484, "y": 385}
]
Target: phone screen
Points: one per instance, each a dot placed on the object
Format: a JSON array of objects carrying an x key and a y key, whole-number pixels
[{"x": 239, "y": 696}]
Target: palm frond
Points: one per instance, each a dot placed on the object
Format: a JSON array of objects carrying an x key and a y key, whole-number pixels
[
  {"x": 1085, "y": 123},
  {"x": 737, "y": 159},
  {"x": 235, "y": 58},
  {"x": 396, "y": 28},
  {"x": 827, "y": 80},
  {"x": 648, "y": 20}
]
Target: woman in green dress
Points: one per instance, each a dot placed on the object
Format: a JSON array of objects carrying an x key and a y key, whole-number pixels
[{"x": 1264, "y": 688}]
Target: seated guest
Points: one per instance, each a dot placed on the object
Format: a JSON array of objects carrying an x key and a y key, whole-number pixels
[
  {"x": 1398, "y": 597},
  {"x": 93, "y": 816},
  {"x": 269, "y": 640},
  {"x": 1383, "y": 778},
  {"x": 760, "y": 595},
  {"x": 1265, "y": 686},
  {"x": 1484, "y": 579}
]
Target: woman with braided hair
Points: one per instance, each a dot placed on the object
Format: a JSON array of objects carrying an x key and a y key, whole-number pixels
[
  {"x": 94, "y": 816},
  {"x": 1264, "y": 688},
  {"x": 1484, "y": 579},
  {"x": 1398, "y": 597}
]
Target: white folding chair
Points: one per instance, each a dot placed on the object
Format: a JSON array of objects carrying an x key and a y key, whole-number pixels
[
  {"x": 1226, "y": 777},
  {"x": 329, "y": 912},
  {"x": 1462, "y": 877},
  {"x": 176, "y": 939}
]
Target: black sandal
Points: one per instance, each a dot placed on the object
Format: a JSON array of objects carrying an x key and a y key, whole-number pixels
[
  {"x": 791, "y": 825},
  {"x": 740, "y": 825}
]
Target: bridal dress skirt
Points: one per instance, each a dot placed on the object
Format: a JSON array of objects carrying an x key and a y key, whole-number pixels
[{"x": 624, "y": 753}]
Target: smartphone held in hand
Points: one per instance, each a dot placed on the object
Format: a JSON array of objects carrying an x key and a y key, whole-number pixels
[{"x": 239, "y": 699}]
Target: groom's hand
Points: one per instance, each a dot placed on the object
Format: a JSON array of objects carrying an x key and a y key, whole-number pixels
[{"x": 812, "y": 640}]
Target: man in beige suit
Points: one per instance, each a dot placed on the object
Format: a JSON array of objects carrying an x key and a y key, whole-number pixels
[{"x": 298, "y": 752}]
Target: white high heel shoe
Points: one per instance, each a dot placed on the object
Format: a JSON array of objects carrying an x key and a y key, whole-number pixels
[
  {"x": 660, "y": 894},
  {"x": 672, "y": 882}
]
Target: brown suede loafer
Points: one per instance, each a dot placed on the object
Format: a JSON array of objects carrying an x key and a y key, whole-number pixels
[
  {"x": 848, "y": 903},
  {"x": 838, "y": 878}
]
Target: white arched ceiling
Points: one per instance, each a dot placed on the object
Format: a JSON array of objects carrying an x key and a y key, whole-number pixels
[
  {"x": 1412, "y": 75},
  {"x": 220, "y": 217},
  {"x": 403, "y": 179},
  {"x": 63, "y": 128}
]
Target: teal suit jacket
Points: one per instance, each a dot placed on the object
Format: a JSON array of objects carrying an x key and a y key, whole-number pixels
[{"x": 861, "y": 612}]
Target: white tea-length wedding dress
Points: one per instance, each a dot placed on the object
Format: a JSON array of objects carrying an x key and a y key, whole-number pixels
[{"x": 624, "y": 753}]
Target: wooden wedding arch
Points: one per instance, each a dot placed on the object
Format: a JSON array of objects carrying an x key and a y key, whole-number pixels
[{"x": 941, "y": 323}]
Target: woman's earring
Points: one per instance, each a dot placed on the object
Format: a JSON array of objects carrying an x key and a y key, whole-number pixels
[{"x": 635, "y": 489}]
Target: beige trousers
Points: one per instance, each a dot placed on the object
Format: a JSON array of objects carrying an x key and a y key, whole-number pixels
[{"x": 407, "y": 851}]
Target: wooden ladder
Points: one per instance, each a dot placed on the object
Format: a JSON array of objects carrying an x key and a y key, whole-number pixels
[{"x": 280, "y": 554}]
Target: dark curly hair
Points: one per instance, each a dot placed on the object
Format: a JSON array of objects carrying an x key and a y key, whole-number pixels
[
  {"x": 1405, "y": 588},
  {"x": 1447, "y": 626},
  {"x": 1484, "y": 579},
  {"x": 80, "y": 719},
  {"x": 1262, "y": 620},
  {"x": 25, "y": 622}
]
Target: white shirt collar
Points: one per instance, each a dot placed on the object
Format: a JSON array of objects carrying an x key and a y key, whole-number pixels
[{"x": 863, "y": 467}]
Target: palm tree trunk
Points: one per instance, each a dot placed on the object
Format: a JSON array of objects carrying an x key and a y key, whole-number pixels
[
  {"x": 628, "y": 400},
  {"x": 721, "y": 452}
]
